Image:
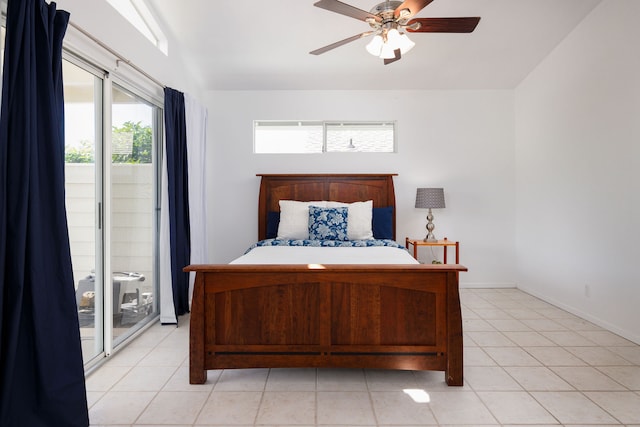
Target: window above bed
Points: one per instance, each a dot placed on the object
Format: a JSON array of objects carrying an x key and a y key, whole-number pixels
[{"x": 294, "y": 136}]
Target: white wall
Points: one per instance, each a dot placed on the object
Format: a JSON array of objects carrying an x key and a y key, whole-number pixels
[
  {"x": 577, "y": 167},
  {"x": 104, "y": 23},
  {"x": 459, "y": 140}
]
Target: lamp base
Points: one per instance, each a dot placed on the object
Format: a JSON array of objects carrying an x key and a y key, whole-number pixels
[{"x": 430, "y": 237}]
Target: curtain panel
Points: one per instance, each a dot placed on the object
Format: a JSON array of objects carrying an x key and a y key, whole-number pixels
[
  {"x": 41, "y": 368},
  {"x": 183, "y": 205},
  {"x": 178, "y": 196}
]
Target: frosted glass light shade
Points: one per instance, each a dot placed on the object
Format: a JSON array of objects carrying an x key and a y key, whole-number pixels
[
  {"x": 387, "y": 51},
  {"x": 406, "y": 44},
  {"x": 375, "y": 45}
]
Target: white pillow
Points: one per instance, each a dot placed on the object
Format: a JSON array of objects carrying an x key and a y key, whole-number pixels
[
  {"x": 358, "y": 219},
  {"x": 294, "y": 219}
]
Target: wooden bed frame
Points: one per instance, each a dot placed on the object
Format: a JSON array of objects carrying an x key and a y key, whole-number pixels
[{"x": 346, "y": 316}]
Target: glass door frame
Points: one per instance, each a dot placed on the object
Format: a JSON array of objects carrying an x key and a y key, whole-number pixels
[
  {"x": 157, "y": 142},
  {"x": 99, "y": 288},
  {"x": 103, "y": 204}
]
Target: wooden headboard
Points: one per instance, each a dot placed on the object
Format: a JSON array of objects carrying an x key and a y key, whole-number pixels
[{"x": 347, "y": 188}]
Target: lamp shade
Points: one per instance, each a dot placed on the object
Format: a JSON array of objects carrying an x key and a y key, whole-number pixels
[
  {"x": 400, "y": 41},
  {"x": 430, "y": 198},
  {"x": 375, "y": 45}
]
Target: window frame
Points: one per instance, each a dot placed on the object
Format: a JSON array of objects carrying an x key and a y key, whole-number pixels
[{"x": 325, "y": 124}]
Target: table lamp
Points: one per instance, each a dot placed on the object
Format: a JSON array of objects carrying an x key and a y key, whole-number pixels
[{"x": 430, "y": 198}]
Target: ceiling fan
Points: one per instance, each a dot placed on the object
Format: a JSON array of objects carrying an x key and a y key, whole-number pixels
[{"x": 389, "y": 21}]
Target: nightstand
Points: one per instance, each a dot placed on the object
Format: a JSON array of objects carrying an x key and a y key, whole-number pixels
[{"x": 445, "y": 243}]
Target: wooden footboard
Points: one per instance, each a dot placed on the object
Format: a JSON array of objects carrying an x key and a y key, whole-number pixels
[{"x": 349, "y": 316}]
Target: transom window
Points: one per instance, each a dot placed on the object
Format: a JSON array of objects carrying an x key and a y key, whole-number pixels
[
  {"x": 323, "y": 136},
  {"x": 139, "y": 15}
]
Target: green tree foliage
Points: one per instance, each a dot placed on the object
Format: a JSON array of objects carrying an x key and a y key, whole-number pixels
[
  {"x": 132, "y": 143},
  {"x": 141, "y": 149},
  {"x": 82, "y": 154}
]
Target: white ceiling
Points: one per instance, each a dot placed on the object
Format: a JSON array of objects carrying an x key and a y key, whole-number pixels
[{"x": 265, "y": 45}]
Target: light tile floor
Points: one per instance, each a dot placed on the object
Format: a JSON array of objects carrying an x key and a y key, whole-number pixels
[{"x": 526, "y": 363}]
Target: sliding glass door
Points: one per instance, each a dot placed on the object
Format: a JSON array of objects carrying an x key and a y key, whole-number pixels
[
  {"x": 83, "y": 138},
  {"x": 111, "y": 139},
  {"x": 133, "y": 210}
]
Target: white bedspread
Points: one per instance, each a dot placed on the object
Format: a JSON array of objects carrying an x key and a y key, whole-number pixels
[{"x": 323, "y": 255}]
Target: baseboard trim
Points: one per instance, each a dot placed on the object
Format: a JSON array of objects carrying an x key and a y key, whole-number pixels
[
  {"x": 485, "y": 285},
  {"x": 629, "y": 335}
]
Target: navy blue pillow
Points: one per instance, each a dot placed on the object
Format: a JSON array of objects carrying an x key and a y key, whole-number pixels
[
  {"x": 382, "y": 223},
  {"x": 273, "y": 220}
]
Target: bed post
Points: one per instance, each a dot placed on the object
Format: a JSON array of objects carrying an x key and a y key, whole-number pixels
[
  {"x": 453, "y": 372},
  {"x": 197, "y": 373}
]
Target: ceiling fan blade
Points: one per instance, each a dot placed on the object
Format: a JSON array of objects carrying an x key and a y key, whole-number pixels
[
  {"x": 394, "y": 59},
  {"x": 345, "y": 9},
  {"x": 414, "y": 7},
  {"x": 443, "y": 25},
  {"x": 340, "y": 43}
]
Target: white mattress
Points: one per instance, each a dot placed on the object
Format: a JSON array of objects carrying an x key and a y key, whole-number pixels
[{"x": 325, "y": 255}]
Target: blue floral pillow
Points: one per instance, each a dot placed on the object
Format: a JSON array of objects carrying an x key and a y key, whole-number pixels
[{"x": 328, "y": 223}]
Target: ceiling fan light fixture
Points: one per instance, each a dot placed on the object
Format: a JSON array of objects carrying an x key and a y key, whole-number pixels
[
  {"x": 385, "y": 49},
  {"x": 399, "y": 41},
  {"x": 388, "y": 21}
]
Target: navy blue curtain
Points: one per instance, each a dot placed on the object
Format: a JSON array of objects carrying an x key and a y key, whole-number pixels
[
  {"x": 41, "y": 369},
  {"x": 178, "y": 183}
]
